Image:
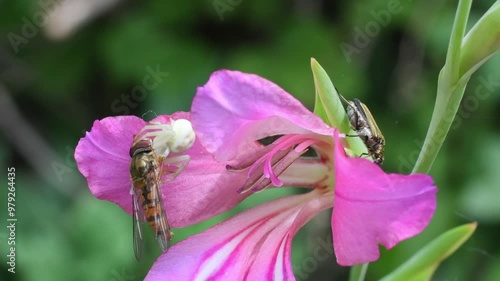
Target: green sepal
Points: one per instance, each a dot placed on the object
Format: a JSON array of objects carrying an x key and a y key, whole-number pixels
[{"x": 329, "y": 107}]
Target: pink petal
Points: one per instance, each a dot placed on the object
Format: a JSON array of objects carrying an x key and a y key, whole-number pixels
[
  {"x": 204, "y": 189},
  {"x": 254, "y": 245},
  {"x": 102, "y": 156},
  {"x": 372, "y": 207},
  {"x": 235, "y": 109}
]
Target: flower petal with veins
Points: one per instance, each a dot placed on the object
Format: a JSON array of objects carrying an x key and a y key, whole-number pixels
[
  {"x": 102, "y": 156},
  {"x": 233, "y": 110},
  {"x": 253, "y": 245}
]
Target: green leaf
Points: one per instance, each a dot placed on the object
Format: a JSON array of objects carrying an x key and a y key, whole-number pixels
[
  {"x": 329, "y": 107},
  {"x": 422, "y": 265}
]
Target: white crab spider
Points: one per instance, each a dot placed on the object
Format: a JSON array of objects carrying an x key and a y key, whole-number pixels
[{"x": 176, "y": 137}]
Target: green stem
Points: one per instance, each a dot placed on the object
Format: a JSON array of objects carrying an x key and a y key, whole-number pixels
[
  {"x": 457, "y": 35},
  {"x": 437, "y": 133},
  {"x": 358, "y": 272},
  {"x": 449, "y": 93}
]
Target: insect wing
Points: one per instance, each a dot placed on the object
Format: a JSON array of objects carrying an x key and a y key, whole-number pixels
[
  {"x": 163, "y": 234},
  {"x": 376, "y": 140},
  {"x": 371, "y": 121},
  {"x": 138, "y": 223}
]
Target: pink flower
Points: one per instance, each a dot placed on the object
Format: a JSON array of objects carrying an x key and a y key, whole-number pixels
[
  {"x": 230, "y": 114},
  {"x": 103, "y": 158}
]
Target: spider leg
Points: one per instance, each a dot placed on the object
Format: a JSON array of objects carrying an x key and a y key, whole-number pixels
[{"x": 180, "y": 162}]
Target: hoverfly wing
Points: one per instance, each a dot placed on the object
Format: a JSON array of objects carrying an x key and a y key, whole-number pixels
[
  {"x": 138, "y": 223},
  {"x": 163, "y": 233}
]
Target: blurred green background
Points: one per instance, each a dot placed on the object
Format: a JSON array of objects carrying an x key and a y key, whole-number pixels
[{"x": 64, "y": 65}]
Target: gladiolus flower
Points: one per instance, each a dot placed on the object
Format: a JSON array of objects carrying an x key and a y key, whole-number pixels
[{"x": 232, "y": 114}]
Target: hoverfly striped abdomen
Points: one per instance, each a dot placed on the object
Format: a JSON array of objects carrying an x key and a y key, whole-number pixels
[{"x": 153, "y": 210}]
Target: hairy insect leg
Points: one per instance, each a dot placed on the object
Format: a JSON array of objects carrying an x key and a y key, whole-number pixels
[{"x": 364, "y": 155}]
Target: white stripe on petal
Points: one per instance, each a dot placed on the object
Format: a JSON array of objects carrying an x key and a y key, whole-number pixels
[
  {"x": 278, "y": 266},
  {"x": 214, "y": 263}
]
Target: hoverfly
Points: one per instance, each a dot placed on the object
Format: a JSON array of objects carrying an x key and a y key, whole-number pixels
[
  {"x": 364, "y": 124},
  {"x": 149, "y": 166}
]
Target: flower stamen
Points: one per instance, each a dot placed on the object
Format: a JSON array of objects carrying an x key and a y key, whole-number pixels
[{"x": 274, "y": 159}]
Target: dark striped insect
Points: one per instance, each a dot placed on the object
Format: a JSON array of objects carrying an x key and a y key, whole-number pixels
[
  {"x": 364, "y": 124},
  {"x": 150, "y": 167}
]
